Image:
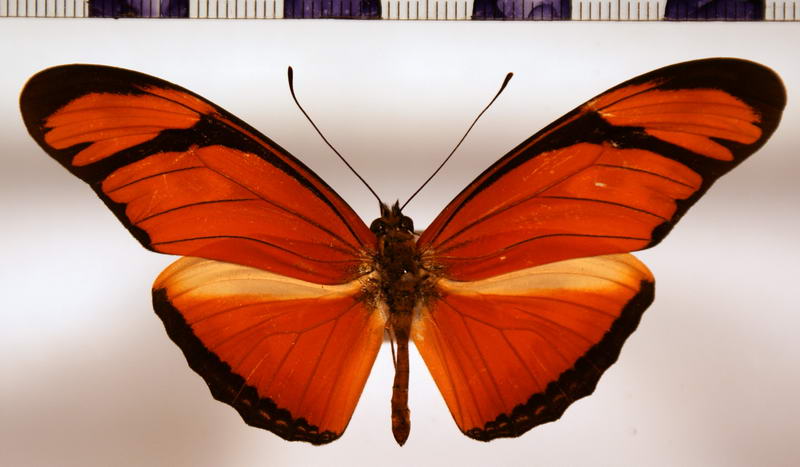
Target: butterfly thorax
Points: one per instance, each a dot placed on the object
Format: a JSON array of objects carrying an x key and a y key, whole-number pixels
[{"x": 397, "y": 262}]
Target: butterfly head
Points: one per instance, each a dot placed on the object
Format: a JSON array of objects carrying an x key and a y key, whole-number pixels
[{"x": 391, "y": 220}]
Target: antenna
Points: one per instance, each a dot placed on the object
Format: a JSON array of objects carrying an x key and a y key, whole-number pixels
[
  {"x": 502, "y": 87},
  {"x": 291, "y": 89}
]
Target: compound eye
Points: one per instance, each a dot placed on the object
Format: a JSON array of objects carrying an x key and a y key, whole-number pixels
[
  {"x": 378, "y": 226},
  {"x": 407, "y": 224}
]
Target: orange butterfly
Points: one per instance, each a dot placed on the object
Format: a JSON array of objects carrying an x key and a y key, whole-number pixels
[{"x": 519, "y": 295}]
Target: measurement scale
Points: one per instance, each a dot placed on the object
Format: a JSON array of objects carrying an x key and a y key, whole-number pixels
[{"x": 525, "y": 10}]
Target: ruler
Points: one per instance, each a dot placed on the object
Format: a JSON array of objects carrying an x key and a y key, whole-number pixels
[{"x": 448, "y": 10}]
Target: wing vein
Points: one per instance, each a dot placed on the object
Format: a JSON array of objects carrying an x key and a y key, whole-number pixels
[
  {"x": 354, "y": 249},
  {"x": 655, "y": 174},
  {"x": 458, "y": 363},
  {"x": 317, "y": 362},
  {"x": 612, "y": 203},
  {"x": 491, "y": 375},
  {"x": 191, "y": 205},
  {"x": 339, "y": 374},
  {"x": 241, "y": 237},
  {"x": 166, "y": 172},
  {"x": 527, "y": 240},
  {"x": 514, "y": 204}
]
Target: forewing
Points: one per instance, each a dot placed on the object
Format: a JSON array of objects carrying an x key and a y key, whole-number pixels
[
  {"x": 291, "y": 356},
  {"x": 188, "y": 178},
  {"x": 514, "y": 351},
  {"x": 613, "y": 175}
]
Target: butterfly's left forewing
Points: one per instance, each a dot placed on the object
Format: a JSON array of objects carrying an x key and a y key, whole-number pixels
[
  {"x": 268, "y": 307},
  {"x": 188, "y": 178},
  {"x": 610, "y": 177}
]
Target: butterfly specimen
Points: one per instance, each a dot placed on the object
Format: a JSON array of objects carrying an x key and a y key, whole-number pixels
[{"x": 519, "y": 295}]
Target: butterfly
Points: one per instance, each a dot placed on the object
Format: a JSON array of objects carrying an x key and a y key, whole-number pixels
[{"x": 518, "y": 296}]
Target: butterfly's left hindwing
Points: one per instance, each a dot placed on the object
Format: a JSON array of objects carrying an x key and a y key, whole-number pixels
[{"x": 291, "y": 356}]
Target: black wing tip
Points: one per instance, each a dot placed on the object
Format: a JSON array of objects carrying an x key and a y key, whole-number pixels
[
  {"x": 575, "y": 383},
  {"x": 62, "y": 75},
  {"x": 87, "y": 69},
  {"x": 757, "y": 85},
  {"x": 754, "y": 82},
  {"x": 54, "y": 87},
  {"x": 228, "y": 387}
]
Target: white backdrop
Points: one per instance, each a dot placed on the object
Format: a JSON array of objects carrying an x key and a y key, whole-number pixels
[{"x": 89, "y": 377}]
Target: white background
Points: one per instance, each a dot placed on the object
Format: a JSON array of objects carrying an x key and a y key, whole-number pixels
[{"x": 88, "y": 376}]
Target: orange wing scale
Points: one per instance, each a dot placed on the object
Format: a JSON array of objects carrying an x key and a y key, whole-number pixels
[
  {"x": 197, "y": 211},
  {"x": 610, "y": 201},
  {"x": 290, "y": 356}
]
